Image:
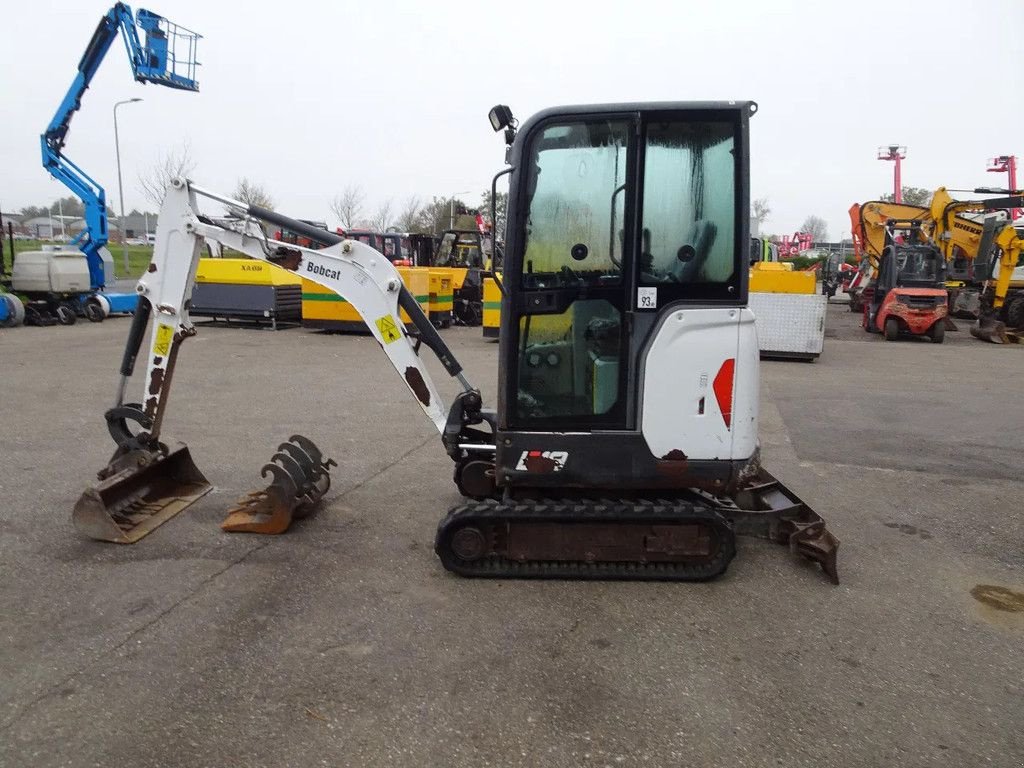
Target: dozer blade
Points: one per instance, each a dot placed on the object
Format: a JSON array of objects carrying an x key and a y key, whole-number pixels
[
  {"x": 301, "y": 478},
  {"x": 139, "y": 491},
  {"x": 765, "y": 508}
]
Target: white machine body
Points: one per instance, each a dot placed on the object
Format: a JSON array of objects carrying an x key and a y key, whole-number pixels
[{"x": 700, "y": 384}]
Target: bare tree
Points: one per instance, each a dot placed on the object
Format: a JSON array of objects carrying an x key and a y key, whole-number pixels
[
  {"x": 761, "y": 210},
  {"x": 500, "y": 210},
  {"x": 436, "y": 216},
  {"x": 382, "y": 220},
  {"x": 348, "y": 206},
  {"x": 408, "y": 219},
  {"x": 253, "y": 193},
  {"x": 174, "y": 164},
  {"x": 816, "y": 227}
]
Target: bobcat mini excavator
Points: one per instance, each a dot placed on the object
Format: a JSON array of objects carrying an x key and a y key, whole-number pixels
[{"x": 624, "y": 442}]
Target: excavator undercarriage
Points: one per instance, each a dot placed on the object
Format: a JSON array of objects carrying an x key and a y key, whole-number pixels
[{"x": 689, "y": 536}]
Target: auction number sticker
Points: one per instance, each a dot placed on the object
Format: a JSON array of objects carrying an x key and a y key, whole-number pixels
[{"x": 647, "y": 298}]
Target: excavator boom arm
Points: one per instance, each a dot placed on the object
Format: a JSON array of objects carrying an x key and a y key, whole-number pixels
[{"x": 365, "y": 278}]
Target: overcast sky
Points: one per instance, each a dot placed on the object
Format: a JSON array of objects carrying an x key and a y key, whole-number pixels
[{"x": 306, "y": 97}]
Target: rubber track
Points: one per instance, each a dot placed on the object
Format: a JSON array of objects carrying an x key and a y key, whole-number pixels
[{"x": 585, "y": 510}]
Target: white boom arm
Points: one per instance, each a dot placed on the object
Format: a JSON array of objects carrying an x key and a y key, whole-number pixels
[{"x": 365, "y": 278}]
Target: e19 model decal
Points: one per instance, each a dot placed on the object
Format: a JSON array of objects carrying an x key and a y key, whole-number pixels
[{"x": 542, "y": 461}]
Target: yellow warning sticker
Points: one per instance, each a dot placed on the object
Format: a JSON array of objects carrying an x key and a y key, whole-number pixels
[
  {"x": 164, "y": 335},
  {"x": 388, "y": 329}
]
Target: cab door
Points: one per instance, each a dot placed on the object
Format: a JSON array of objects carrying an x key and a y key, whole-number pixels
[{"x": 565, "y": 340}]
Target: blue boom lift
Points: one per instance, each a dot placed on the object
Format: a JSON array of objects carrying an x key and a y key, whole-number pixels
[{"x": 168, "y": 57}]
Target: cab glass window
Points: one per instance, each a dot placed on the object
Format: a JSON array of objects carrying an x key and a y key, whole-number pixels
[
  {"x": 575, "y": 191},
  {"x": 689, "y": 203},
  {"x": 569, "y": 362}
]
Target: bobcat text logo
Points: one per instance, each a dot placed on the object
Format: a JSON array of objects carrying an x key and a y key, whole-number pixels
[
  {"x": 542, "y": 461},
  {"x": 316, "y": 269}
]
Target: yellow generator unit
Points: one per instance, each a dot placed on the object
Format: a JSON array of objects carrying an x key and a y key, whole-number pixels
[
  {"x": 492, "y": 308},
  {"x": 248, "y": 290},
  {"x": 441, "y": 297},
  {"x": 326, "y": 310}
]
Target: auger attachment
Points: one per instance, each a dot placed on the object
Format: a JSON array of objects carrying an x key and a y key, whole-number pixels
[{"x": 301, "y": 478}]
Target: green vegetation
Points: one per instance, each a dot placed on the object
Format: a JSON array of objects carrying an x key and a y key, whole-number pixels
[
  {"x": 803, "y": 262},
  {"x": 138, "y": 256}
]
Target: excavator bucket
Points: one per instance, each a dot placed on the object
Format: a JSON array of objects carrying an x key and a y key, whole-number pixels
[
  {"x": 988, "y": 328},
  {"x": 301, "y": 478},
  {"x": 138, "y": 492}
]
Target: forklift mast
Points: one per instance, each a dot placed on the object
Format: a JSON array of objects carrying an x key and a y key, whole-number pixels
[{"x": 167, "y": 57}]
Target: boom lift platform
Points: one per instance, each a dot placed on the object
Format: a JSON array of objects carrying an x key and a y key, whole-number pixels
[
  {"x": 167, "y": 58},
  {"x": 624, "y": 443}
]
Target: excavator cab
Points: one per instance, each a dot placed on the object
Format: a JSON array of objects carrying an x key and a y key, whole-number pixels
[
  {"x": 627, "y": 228},
  {"x": 460, "y": 253}
]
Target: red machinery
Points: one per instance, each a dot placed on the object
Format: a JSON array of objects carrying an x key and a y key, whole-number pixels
[
  {"x": 791, "y": 245},
  {"x": 897, "y": 155},
  {"x": 1007, "y": 164}
]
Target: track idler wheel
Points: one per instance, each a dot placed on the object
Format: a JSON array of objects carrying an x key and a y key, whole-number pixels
[{"x": 301, "y": 477}]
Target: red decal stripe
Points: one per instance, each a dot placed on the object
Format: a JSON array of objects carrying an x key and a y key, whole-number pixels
[{"x": 723, "y": 390}]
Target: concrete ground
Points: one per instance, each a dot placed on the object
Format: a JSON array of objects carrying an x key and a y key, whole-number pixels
[{"x": 345, "y": 643}]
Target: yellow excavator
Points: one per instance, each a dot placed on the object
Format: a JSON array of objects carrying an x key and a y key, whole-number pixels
[{"x": 982, "y": 257}]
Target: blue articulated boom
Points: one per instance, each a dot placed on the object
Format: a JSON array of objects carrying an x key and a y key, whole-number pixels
[{"x": 168, "y": 57}]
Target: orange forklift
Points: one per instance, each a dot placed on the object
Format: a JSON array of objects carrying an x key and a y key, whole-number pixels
[{"x": 909, "y": 295}]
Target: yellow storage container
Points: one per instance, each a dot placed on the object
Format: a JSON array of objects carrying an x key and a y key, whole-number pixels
[
  {"x": 768, "y": 277},
  {"x": 441, "y": 299},
  {"x": 244, "y": 272},
  {"x": 324, "y": 309},
  {"x": 492, "y": 308}
]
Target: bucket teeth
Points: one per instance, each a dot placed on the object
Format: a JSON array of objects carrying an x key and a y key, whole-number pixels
[{"x": 301, "y": 477}]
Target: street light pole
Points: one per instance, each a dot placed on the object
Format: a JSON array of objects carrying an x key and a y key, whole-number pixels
[{"x": 120, "y": 186}]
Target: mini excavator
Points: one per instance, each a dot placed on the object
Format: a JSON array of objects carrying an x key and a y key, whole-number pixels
[{"x": 624, "y": 444}]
